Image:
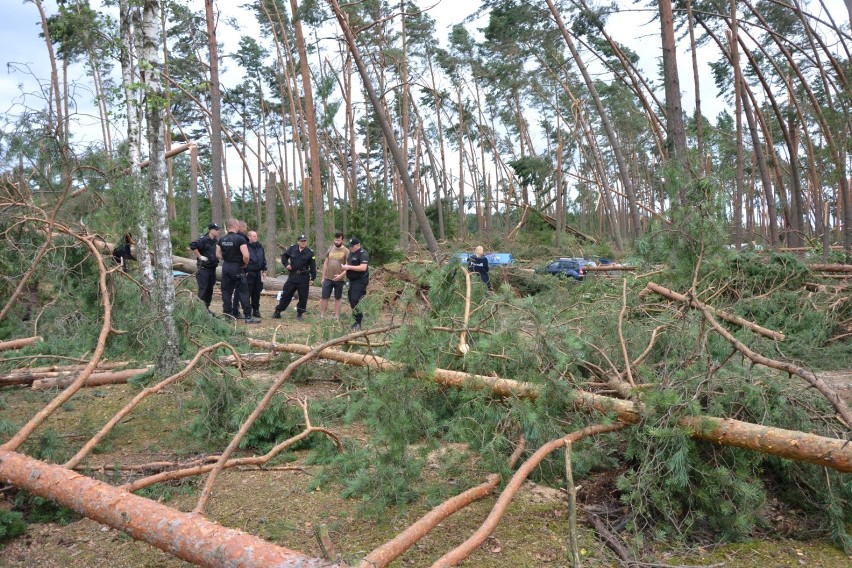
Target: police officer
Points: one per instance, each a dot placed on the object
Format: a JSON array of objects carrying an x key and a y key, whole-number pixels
[
  {"x": 204, "y": 249},
  {"x": 233, "y": 251},
  {"x": 255, "y": 273},
  {"x": 300, "y": 261},
  {"x": 357, "y": 270}
]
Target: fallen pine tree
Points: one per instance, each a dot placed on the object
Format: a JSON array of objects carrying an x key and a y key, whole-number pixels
[{"x": 800, "y": 446}]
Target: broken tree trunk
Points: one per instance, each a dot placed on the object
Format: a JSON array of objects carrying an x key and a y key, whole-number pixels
[
  {"x": 791, "y": 444},
  {"x": 184, "y": 535},
  {"x": 730, "y": 318}
]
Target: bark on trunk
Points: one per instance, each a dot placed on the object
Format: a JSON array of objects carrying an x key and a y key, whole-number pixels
[
  {"x": 164, "y": 288},
  {"x": 187, "y": 536},
  {"x": 18, "y": 343}
]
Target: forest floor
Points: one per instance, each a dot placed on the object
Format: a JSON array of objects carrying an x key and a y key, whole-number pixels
[{"x": 283, "y": 508}]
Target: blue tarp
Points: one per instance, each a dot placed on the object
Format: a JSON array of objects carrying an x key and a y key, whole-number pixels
[{"x": 494, "y": 259}]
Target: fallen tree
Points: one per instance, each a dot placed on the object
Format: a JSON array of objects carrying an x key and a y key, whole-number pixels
[
  {"x": 790, "y": 444},
  {"x": 185, "y": 535}
]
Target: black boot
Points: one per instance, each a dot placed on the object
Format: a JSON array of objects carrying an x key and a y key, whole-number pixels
[
  {"x": 250, "y": 320},
  {"x": 276, "y": 314},
  {"x": 256, "y": 314}
]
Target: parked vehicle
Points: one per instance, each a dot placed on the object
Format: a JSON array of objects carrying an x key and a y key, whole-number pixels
[{"x": 567, "y": 267}]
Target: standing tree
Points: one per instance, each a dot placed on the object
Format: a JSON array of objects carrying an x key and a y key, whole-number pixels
[{"x": 168, "y": 361}]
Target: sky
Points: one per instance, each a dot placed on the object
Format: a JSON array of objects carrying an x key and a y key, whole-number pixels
[{"x": 23, "y": 56}]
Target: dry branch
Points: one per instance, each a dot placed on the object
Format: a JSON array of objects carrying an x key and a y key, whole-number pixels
[
  {"x": 800, "y": 446},
  {"x": 237, "y": 462},
  {"x": 21, "y": 436},
  {"x": 730, "y": 318},
  {"x": 184, "y": 535},
  {"x": 467, "y": 548},
  {"x": 813, "y": 379},
  {"x": 18, "y": 343},
  {"x": 264, "y": 403},
  {"x": 386, "y": 553}
]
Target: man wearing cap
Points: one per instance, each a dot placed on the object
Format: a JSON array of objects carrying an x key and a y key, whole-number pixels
[
  {"x": 357, "y": 270},
  {"x": 300, "y": 261},
  {"x": 234, "y": 252},
  {"x": 204, "y": 249}
]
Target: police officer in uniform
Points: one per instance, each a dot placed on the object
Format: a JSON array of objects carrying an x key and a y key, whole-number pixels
[
  {"x": 300, "y": 261},
  {"x": 357, "y": 270},
  {"x": 234, "y": 252},
  {"x": 204, "y": 249},
  {"x": 255, "y": 272}
]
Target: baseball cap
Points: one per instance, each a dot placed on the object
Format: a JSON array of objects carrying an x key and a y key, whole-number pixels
[
  {"x": 213, "y": 226},
  {"x": 354, "y": 241},
  {"x": 303, "y": 238}
]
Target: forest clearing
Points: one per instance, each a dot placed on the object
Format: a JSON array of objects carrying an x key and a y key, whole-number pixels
[{"x": 594, "y": 259}]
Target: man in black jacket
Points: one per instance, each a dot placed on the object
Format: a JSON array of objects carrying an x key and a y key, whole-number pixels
[
  {"x": 255, "y": 272},
  {"x": 300, "y": 261},
  {"x": 358, "y": 271},
  {"x": 233, "y": 250},
  {"x": 204, "y": 249}
]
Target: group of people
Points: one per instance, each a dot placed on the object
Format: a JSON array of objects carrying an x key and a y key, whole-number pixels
[{"x": 244, "y": 270}]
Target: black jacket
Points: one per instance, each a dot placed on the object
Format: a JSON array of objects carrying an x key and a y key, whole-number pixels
[
  {"x": 257, "y": 258},
  {"x": 206, "y": 247},
  {"x": 301, "y": 262},
  {"x": 230, "y": 245}
]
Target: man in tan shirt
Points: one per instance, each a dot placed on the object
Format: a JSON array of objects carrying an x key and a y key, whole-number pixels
[{"x": 333, "y": 266}]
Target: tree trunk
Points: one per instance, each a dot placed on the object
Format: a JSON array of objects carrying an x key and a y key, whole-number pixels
[
  {"x": 615, "y": 144},
  {"x": 271, "y": 248},
  {"x": 401, "y": 164},
  {"x": 164, "y": 295},
  {"x": 800, "y": 446},
  {"x": 217, "y": 195},
  {"x": 184, "y": 535},
  {"x": 313, "y": 135}
]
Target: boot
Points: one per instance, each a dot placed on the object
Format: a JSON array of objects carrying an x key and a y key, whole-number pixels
[
  {"x": 250, "y": 320},
  {"x": 257, "y": 315},
  {"x": 276, "y": 314}
]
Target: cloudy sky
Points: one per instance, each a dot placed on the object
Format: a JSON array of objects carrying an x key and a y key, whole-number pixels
[{"x": 23, "y": 56}]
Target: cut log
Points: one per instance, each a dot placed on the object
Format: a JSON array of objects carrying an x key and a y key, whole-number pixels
[
  {"x": 730, "y": 318},
  {"x": 93, "y": 380},
  {"x": 791, "y": 444},
  {"x": 844, "y": 268},
  {"x": 187, "y": 536},
  {"x": 18, "y": 343}
]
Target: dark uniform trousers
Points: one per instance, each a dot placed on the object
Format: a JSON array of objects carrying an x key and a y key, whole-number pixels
[
  {"x": 255, "y": 286},
  {"x": 357, "y": 290},
  {"x": 233, "y": 287},
  {"x": 206, "y": 278},
  {"x": 298, "y": 281}
]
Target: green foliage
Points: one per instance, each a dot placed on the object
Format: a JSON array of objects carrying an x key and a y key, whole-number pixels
[
  {"x": 375, "y": 220},
  {"x": 12, "y": 524},
  {"x": 223, "y": 404}
]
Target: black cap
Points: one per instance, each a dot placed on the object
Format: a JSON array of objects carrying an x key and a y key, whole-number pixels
[
  {"x": 354, "y": 241},
  {"x": 303, "y": 238},
  {"x": 213, "y": 226}
]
